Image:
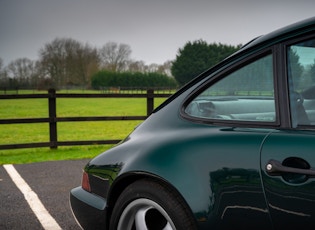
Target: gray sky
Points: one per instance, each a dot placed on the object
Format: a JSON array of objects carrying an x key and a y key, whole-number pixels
[{"x": 154, "y": 29}]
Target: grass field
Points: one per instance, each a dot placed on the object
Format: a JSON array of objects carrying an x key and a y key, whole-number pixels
[{"x": 67, "y": 131}]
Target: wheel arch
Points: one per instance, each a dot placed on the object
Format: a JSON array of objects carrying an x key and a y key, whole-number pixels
[{"x": 126, "y": 179}]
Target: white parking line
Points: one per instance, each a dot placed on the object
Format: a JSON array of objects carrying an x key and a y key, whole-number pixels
[{"x": 47, "y": 221}]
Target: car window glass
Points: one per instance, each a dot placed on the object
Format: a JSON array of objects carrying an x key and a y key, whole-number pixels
[
  {"x": 301, "y": 73},
  {"x": 246, "y": 94}
]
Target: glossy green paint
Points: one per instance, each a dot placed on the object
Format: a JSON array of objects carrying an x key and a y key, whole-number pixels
[
  {"x": 218, "y": 168},
  {"x": 290, "y": 194},
  {"x": 189, "y": 157},
  {"x": 193, "y": 166}
]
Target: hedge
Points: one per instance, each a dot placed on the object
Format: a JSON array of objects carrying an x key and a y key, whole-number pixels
[{"x": 106, "y": 78}]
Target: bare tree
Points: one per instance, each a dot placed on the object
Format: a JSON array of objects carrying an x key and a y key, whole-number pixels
[
  {"x": 3, "y": 74},
  {"x": 115, "y": 57},
  {"x": 22, "y": 70},
  {"x": 137, "y": 66},
  {"x": 88, "y": 63},
  {"x": 2, "y": 70},
  {"x": 68, "y": 62},
  {"x": 166, "y": 68},
  {"x": 152, "y": 68},
  {"x": 52, "y": 58}
]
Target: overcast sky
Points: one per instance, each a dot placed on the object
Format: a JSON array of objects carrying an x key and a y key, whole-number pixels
[{"x": 154, "y": 29}]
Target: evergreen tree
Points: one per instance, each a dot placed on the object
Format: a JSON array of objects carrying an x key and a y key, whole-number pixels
[{"x": 196, "y": 57}]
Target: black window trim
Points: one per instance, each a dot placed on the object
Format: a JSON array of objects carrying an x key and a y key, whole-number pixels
[
  {"x": 218, "y": 75},
  {"x": 285, "y": 65}
]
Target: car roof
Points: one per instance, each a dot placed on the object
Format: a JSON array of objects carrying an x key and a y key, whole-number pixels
[
  {"x": 282, "y": 33},
  {"x": 265, "y": 40}
]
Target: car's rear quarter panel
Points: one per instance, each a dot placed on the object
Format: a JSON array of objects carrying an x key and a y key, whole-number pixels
[{"x": 215, "y": 169}]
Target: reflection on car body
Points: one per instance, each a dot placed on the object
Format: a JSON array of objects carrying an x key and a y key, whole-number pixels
[{"x": 232, "y": 149}]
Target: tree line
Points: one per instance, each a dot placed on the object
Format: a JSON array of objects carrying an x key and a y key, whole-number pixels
[{"x": 67, "y": 63}]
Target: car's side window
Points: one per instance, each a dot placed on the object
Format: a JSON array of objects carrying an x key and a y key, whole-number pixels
[
  {"x": 301, "y": 73},
  {"x": 247, "y": 94}
]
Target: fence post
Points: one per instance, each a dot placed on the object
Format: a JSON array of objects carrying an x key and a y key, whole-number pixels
[
  {"x": 52, "y": 118},
  {"x": 150, "y": 101}
]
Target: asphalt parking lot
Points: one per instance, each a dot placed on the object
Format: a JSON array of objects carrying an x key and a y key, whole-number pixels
[{"x": 51, "y": 182}]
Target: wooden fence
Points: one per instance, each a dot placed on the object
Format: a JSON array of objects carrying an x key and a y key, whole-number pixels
[{"x": 52, "y": 118}]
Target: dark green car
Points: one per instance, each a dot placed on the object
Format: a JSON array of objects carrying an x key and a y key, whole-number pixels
[{"x": 233, "y": 149}]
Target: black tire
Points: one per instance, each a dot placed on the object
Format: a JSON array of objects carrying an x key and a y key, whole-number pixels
[{"x": 150, "y": 205}]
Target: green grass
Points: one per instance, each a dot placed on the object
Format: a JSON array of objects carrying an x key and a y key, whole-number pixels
[
  {"x": 67, "y": 131},
  {"x": 22, "y": 156}
]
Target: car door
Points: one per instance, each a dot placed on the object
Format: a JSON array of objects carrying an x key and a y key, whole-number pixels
[
  {"x": 288, "y": 156},
  {"x": 288, "y": 177}
]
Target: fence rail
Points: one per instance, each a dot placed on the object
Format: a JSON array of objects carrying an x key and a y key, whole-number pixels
[{"x": 52, "y": 118}]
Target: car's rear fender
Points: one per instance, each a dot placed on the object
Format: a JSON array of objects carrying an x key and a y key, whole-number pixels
[{"x": 124, "y": 180}]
